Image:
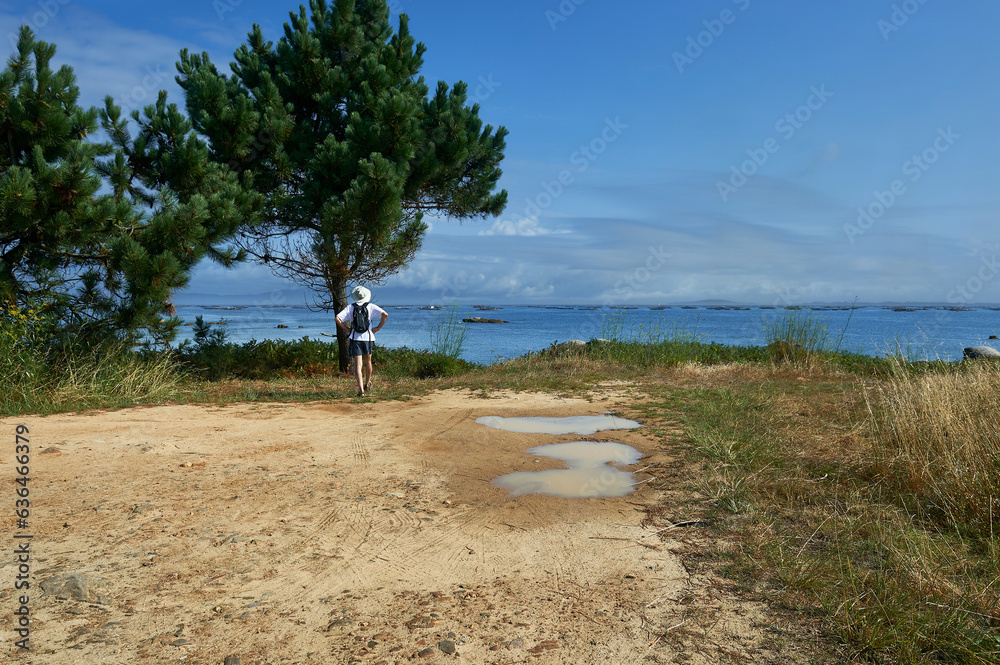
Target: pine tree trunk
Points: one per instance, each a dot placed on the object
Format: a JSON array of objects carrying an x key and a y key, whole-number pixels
[{"x": 339, "y": 296}]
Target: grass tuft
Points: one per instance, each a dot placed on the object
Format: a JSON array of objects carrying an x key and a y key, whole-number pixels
[{"x": 936, "y": 442}]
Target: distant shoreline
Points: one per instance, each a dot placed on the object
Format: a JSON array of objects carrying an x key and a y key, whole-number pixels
[{"x": 817, "y": 307}]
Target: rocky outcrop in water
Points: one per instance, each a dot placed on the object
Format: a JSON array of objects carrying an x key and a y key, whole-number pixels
[{"x": 479, "y": 319}]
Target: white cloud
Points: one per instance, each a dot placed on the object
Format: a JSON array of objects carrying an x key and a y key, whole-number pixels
[
  {"x": 523, "y": 227},
  {"x": 131, "y": 65}
]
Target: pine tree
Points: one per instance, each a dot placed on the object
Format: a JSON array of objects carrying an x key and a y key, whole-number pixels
[
  {"x": 103, "y": 263},
  {"x": 334, "y": 127}
]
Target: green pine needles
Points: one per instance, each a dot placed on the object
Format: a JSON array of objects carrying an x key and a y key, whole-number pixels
[
  {"x": 318, "y": 155},
  {"x": 93, "y": 234},
  {"x": 335, "y": 127}
]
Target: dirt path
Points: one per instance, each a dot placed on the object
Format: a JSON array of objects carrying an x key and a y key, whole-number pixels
[{"x": 330, "y": 533}]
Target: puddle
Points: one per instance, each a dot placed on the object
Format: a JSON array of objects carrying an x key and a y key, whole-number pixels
[
  {"x": 570, "y": 425},
  {"x": 588, "y": 475}
]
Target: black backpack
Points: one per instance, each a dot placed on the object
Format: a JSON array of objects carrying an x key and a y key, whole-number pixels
[{"x": 360, "y": 319}]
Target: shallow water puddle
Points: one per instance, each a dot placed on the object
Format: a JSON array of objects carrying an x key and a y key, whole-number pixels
[
  {"x": 569, "y": 425},
  {"x": 588, "y": 475}
]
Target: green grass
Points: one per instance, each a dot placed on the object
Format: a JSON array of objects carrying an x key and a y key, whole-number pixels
[
  {"x": 108, "y": 376},
  {"x": 859, "y": 495},
  {"x": 792, "y": 465}
]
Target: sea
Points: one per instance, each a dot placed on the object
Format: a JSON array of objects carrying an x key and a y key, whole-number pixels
[{"x": 918, "y": 332}]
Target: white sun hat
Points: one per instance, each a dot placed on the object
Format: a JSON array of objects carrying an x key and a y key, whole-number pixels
[{"x": 361, "y": 295}]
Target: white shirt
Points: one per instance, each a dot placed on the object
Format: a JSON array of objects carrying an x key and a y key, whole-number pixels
[{"x": 375, "y": 314}]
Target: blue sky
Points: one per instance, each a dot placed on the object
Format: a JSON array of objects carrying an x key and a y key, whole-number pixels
[{"x": 764, "y": 152}]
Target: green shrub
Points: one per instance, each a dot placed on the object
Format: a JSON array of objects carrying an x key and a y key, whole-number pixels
[
  {"x": 211, "y": 357},
  {"x": 796, "y": 335},
  {"x": 23, "y": 355},
  {"x": 405, "y": 362}
]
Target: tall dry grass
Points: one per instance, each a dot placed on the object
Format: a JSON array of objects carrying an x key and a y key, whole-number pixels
[
  {"x": 112, "y": 375},
  {"x": 891, "y": 551},
  {"x": 936, "y": 440}
]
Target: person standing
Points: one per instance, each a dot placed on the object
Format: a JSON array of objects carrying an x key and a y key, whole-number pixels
[{"x": 361, "y": 314}]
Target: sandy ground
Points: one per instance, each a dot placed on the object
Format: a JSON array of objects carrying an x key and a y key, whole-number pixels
[{"x": 336, "y": 533}]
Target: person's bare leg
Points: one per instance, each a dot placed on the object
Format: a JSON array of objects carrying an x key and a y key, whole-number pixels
[
  {"x": 357, "y": 374},
  {"x": 368, "y": 372}
]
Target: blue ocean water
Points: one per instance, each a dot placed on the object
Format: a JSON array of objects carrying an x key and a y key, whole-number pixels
[{"x": 922, "y": 333}]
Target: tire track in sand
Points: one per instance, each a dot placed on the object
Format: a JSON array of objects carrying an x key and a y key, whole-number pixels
[
  {"x": 442, "y": 546},
  {"x": 359, "y": 449},
  {"x": 374, "y": 541},
  {"x": 450, "y": 423}
]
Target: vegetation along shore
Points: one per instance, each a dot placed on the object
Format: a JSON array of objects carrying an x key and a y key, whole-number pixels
[{"x": 852, "y": 498}]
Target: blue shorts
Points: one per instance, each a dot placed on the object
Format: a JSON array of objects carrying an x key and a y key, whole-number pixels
[{"x": 361, "y": 348}]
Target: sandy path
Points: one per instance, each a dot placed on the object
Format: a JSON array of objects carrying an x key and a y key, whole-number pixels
[{"x": 330, "y": 533}]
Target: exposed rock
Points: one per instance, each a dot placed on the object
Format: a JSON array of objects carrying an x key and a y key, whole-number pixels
[
  {"x": 447, "y": 646},
  {"x": 570, "y": 346},
  {"x": 479, "y": 319},
  {"x": 78, "y": 586},
  {"x": 420, "y": 621},
  {"x": 976, "y": 352},
  {"x": 281, "y": 325}
]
